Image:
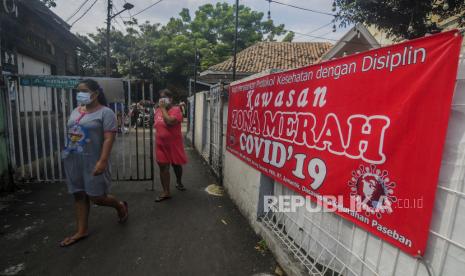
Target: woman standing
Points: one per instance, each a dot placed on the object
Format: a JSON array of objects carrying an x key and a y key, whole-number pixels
[
  {"x": 169, "y": 147},
  {"x": 91, "y": 132}
]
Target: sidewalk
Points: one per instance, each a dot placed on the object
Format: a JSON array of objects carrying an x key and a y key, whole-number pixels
[{"x": 194, "y": 233}]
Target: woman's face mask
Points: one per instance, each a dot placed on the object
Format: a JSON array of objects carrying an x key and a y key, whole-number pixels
[
  {"x": 84, "y": 97},
  {"x": 166, "y": 100}
]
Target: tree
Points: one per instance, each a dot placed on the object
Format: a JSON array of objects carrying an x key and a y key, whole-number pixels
[
  {"x": 289, "y": 37},
  {"x": 166, "y": 52},
  {"x": 49, "y": 3},
  {"x": 92, "y": 59},
  {"x": 90, "y": 62},
  {"x": 401, "y": 18},
  {"x": 212, "y": 30}
]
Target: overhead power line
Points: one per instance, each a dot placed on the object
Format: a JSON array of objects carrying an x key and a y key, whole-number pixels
[
  {"x": 313, "y": 39},
  {"x": 120, "y": 25},
  {"x": 78, "y": 9},
  {"x": 332, "y": 39},
  {"x": 321, "y": 37},
  {"x": 301, "y": 8},
  {"x": 119, "y": 15},
  {"x": 321, "y": 27},
  {"x": 143, "y": 10},
  {"x": 117, "y": 21},
  {"x": 91, "y": 6}
]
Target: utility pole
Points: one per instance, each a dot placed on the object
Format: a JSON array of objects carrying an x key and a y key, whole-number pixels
[
  {"x": 235, "y": 41},
  {"x": 126, "y": 7},
  {"x": 195, "y": 69},
  {"x": 107, "y": 61},
  {"x": 196, "y": 60}
]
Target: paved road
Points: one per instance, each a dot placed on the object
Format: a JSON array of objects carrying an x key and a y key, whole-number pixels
[{"x": 183, "y": 236}]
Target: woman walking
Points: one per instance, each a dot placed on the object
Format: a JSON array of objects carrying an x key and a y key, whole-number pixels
[
  {"x": 169, "y": 147},
  {"x": 91, "y": 132}
]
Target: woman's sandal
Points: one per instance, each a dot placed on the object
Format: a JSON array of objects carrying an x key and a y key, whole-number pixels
[
  {"x": 70, "y": 240},
  {"x": 161, "y": 198},
  {"x": 124, "y": 218}
]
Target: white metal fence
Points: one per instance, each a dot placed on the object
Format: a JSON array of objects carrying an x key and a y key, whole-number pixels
[
  {"x": 132, "y": 154},
  {"x": 215, "y": 158},
  {"x": 37, "y": 129},
  {"x": 37, "y": 115},
  {"x": 213, "y": 128},
  {"x": 326, "y": 244}
]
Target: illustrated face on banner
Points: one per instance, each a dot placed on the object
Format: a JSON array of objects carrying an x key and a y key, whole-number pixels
[
  {"x": 362, "y": 128},
  {"x": 371, "y": 189}
]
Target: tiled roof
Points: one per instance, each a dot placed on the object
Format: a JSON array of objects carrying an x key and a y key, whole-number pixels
[{"x": 274, "y": 55}]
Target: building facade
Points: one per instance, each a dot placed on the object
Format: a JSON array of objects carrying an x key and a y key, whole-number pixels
[{"x": 33, "y": 41}]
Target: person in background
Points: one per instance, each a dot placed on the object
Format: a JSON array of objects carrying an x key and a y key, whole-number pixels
[
  {"x": 182, "y": 105},
  {"x": 134, "y": 114},
  {"x": 91, "y": 132},
  {"x": 169, "y": 147},
  {"x": 117, "y": 108}
]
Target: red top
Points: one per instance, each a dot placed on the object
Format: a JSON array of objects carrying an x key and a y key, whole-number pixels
[
  {"x": 169, "y": 148},
  {"x": 168, "y": 134}
]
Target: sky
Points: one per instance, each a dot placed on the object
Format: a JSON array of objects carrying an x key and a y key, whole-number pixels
[{"x": 297, "y": 20}]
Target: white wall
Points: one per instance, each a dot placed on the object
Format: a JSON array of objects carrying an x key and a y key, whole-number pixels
[
  {"x": 30, "y": 66},
  {"x": 242, "y": 184},
  {"x": 199, "y": 119},
  {"x": 35, "y": 98},
  {"x": 190, "y": 117}
]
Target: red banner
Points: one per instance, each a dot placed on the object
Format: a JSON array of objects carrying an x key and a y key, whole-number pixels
[{"x": 362, "y": 134}]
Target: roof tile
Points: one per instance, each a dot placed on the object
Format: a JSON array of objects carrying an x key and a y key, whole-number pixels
[{"x": 275, "y": 55}]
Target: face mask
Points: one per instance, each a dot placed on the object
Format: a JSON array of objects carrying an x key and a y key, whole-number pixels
[
  {"x": 165, "y": 100},
  {"x": 83, "y": 98}
]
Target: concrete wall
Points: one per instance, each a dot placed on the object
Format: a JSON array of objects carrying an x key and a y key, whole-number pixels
[
  {"x": 190, "y": 117},
  {"x": 242, "y": 184},
  {"x": 241, "y": 181},
  {"x": 31, "y": 66},
  {"x": 36, "y": 33},
  {"x": 247, "y": 187},
  {"x": 200, "y": 123}
]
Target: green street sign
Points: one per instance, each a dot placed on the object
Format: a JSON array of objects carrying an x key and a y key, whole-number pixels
[{"x": 49, "y": 81}]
